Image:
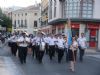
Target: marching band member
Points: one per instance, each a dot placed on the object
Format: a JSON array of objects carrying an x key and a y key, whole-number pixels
[
  {"x": 60, "y": 44},
  {"x": 13, "y": 44},
  {"x": 23, "y": 43},
  {"x": 41, "y": 47},
  {"x": 46, "y": 38},
  {"x": 51, "y": 46},
  {"x": 82, "y": 46},
  {"x": 33, "y": 41},
  {"x": 66, "y": 47}
]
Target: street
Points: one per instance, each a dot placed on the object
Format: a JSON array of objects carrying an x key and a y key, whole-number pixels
[{"x": 10, "y": 65}]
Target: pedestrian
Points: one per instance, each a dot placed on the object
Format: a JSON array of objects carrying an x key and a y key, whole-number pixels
[
  {"x": 82, "y": 46},
  {"x": 72, "y": 54},
  {"x": 23, "y": 43}
]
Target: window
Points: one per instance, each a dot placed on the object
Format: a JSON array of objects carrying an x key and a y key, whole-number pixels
[
  {"x": 25, "y": 23},
  {"x": 54, "y": 8},
  {"x": 18, "y": 15},
  {"x": 35, "y": 23},
  {"x": 25, "y": 14},
  {"x": 15, "y": 24},
  {"x": 21, "y": 23},
  {"x": 22, "y": 14},
  {"x": 18, "y": 21},
  {"x": 35, "y": 14}
]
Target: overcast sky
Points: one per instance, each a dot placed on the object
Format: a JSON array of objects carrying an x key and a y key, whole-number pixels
[{"x": 21, "y": 3}]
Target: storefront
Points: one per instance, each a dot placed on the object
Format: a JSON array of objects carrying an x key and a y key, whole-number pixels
[{"x": 91, "y": 28}]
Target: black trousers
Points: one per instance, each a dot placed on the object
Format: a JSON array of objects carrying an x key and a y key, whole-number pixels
[
  {"x": 37, "y": 51},
  {"x": 14, "y": 48},
  {"x": 60, "y": 55},
  {"x": 47, "y": 48},
  {"x": 67, "y": 52},
  {"x": 51, "y": 51},
  {"x": 40, "y": 56},
  {"x": 22, "y": 53},
  {"x": 81, "y": 53},
  {"x": 33, "y": 50}
]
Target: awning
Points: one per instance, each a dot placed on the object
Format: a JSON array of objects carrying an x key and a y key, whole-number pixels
[{"x": 60, "y": 20}]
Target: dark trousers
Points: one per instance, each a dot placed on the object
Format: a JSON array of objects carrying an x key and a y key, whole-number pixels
[
  {"x": 60, "y": 55},
  {"x": 67, "y": 58},
  {"x": 37, "y": 52},
  {"x": 14, "y": 48},
  {"x": 40, "y": 57},
  {"x": 33, "y": 50},
  {"x": 81, "y": 53},
  {"x": 22, "y": 53},
  {"x": 51, "y": 51},
  {"x": 47, "y": 48}
]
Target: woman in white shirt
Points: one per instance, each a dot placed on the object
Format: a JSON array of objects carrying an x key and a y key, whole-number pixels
[{"x": 73, "y": 54}]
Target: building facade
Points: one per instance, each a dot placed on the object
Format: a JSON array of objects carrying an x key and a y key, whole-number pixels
[
  {"x": 82, "y": 14},
  {"x": 26, "y": 19},
  {"x": 44, "y": 17}
]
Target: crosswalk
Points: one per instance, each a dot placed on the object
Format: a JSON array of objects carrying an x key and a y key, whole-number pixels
[{"x": 8, "y": 67}]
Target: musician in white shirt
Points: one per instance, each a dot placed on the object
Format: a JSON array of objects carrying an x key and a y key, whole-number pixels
[
  {"x": 40, "y": 47},
  {"x": 60, "y": 44},
  {"x": 82, "y": 46},
  {"x": 23, "y": 43},
  {"x": 12, "y": 40},
  {"x": 51, "y": 46}
]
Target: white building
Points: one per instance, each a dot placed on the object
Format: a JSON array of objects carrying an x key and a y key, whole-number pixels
[{"x": 26, "y": 19}]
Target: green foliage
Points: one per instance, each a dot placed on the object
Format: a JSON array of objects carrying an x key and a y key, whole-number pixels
[{"x": 6, "y": 21}]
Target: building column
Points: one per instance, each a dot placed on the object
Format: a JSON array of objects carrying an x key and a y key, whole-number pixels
[
  {"x": 56, "y": 30},
  {"x": 99, "y": 40},
  {"x": 82, "y": 29}
]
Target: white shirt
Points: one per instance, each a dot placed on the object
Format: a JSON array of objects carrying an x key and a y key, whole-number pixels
[
  {"x": 82, "y": 42},
  {"x": 74, "y": 45},
  {"x": 51, "y": 41},
  {"x": 60, "y": 43},
  {"x": 13, "y": 39},
  {"x": 46, "y": 39},
  {"x": 22, "y": 39},
  {"x": 66, "y": 44},
  {"x": 33, "y": 41}
]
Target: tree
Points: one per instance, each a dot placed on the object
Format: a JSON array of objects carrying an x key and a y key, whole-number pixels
[{"x": 5, "y": 21}]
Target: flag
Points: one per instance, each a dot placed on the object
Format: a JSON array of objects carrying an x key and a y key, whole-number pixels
[{"x": 68, "y": 31}]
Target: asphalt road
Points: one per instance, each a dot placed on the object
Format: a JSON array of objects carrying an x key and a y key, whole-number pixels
[{"x": 90, "y": 66}]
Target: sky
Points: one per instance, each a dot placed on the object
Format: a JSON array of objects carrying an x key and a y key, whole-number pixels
[{"x": 20, "y": 3}]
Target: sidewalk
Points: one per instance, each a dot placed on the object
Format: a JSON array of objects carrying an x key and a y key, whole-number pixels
[{"x": 93, "y": 51}]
